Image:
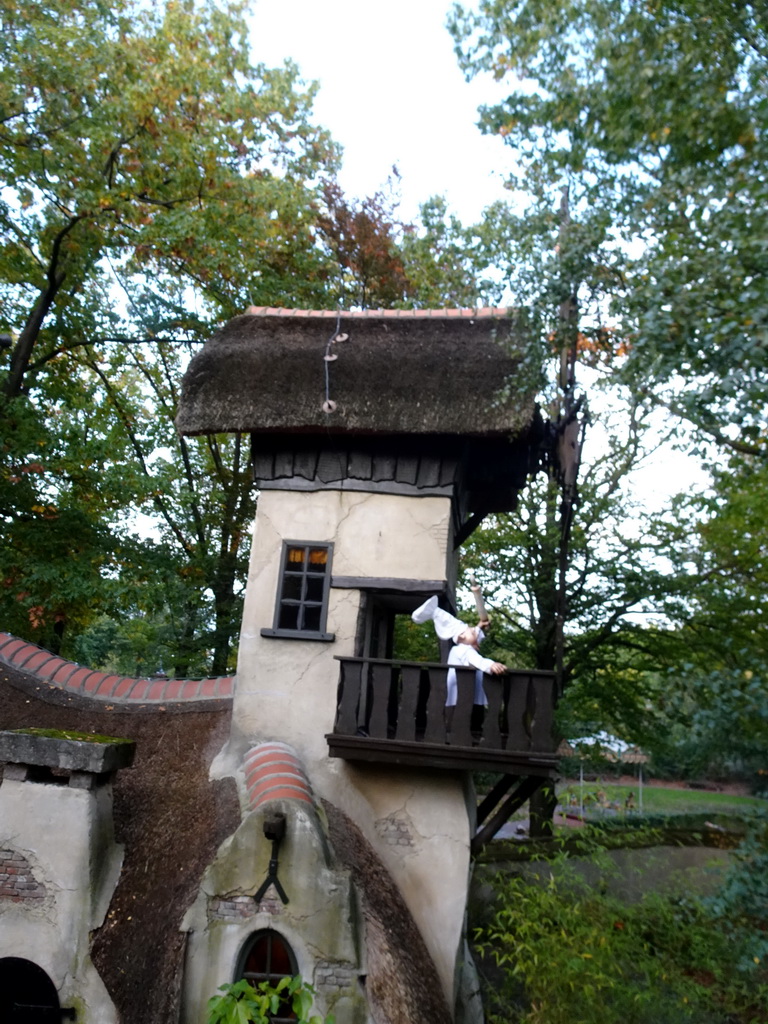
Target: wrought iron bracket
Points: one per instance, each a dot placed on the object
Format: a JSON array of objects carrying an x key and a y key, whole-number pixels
[{"x": 274, "y": 829}]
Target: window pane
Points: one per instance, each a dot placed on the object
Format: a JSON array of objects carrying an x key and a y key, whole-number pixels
[
  {"x": 312, "y": 618},
  {"x": 302, "y": 599},
  {"x": 292, "y": 587},
  {"x": 289, "y": 616},
  {"x": 281, "y": 960},
  {"x": 318, "y": 559},
  {"x": 270, "y": 958},
  {"x": 257, "y": 961}
]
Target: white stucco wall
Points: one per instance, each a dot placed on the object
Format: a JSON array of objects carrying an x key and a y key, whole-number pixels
[
  {"x": 286, "y": 689},
  {"x": 374, "y": 535},
  {"x": 65, "y": 835},
  {"x": 319, "y": 921}
]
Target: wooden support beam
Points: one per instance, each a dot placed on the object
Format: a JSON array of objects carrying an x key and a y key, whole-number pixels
[
  {"x": 487, "y": 804},
  {"x": 468, "y": 527},
  {"x": 526, "y": 788}
]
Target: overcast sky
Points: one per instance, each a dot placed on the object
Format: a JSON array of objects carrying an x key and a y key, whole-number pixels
[{"x": 391, "y": 92}]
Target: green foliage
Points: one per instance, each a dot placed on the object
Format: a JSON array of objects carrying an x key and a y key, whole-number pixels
[
  {"x": 714, "y": 683},
  {"x": 649, "y": 120},
  {"x": 243, "y": 1003},
  {"x": 449, "y": 264},
  {"x": 615, "y": 665},
  {"x": 143, "y": 132},
  {"x": 414, "y": 641},
  {"x": 653, "y": 114},
  {"x": 741, "y": 903},
  {"x": 155, "y": 181},
  {"x": 571, "y": 953},
  {"x": 363, "y": 238}
]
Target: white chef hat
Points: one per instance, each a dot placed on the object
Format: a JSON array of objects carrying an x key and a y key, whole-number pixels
[{"x": 447, "y": 626}]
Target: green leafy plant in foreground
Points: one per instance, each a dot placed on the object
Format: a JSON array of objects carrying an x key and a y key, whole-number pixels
[
  {"x": 571, "y": 953},
  {"x": 243, "y": 1003}
]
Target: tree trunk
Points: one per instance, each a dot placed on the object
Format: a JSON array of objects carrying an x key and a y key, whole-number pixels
[
  {"x": 224, "y": 605},
  {"x": 542, "y": 811},
  {"x": 55, "y": 275},
  {"x": 22, "y": 352}
]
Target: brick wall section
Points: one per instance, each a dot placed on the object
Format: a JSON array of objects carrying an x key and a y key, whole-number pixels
[
  {"x": 394, "y": 831},
  {"x": 17, "y": 883},
  {"x": 274, "y": 772},
  {"x": 241, "y": 908},
  {"x": 231, "y": 908},
  {"x": 103, "y": 686},
  {"x": 334, "y": 976}
]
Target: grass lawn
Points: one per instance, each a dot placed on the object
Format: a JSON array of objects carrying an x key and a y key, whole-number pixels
[{"x": 656, "y": 799}]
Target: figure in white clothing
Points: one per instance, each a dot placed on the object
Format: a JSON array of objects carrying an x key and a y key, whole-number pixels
[{"x": 464, "y": 653}]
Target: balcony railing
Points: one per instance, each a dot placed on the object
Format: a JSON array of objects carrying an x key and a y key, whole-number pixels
[{"x": 394, "y": 711}]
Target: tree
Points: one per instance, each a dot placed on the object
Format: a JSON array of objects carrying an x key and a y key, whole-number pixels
[
  {"x": 716, "y": 687},
  {"x": 449, "y": 264},
  {"x": 363, "y": 237},
  {"x": 127, "y": 129},
  {"x": 618, "y": 595},
  {"x": 137, "y": 143},
  {"x": 653, "y": 114}
]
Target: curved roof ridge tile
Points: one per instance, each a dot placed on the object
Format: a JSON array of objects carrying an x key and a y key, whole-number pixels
[
  {"x": 94, "y": 684},
  {"x": 273, "y": 771}
]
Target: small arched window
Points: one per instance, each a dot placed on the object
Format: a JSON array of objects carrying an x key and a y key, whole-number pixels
[
  {"x": 27, "y": 993},
  {"x": 267, "y": 956}
]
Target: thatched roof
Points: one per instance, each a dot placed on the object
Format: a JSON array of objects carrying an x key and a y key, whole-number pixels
[{"x": 439, "y": 372}]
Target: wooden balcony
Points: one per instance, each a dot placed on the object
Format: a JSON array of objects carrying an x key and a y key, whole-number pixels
[{"x": 393, "y": 712}]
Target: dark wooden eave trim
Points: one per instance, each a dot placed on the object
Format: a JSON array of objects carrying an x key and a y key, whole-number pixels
[{"x": 379, "y": 487}]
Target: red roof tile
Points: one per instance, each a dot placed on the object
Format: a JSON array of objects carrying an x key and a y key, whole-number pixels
[
  {"x": 67, "y": 676},
  {"x": 157, "y": 689},
  {"x": 94, "y": 682},
  {"x": 78, "y": 677},
  {"x": 274, "y": 772}
]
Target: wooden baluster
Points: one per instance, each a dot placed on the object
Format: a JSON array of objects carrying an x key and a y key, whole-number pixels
[
  {"x": 542, "y": 738},
  {"x": 461, "y": 733},
  {"x": 494, "y": 691},
  {"x": 395, "y": 696},
  {"x": 350, "y": 675},
  {"x": 435, "y": 725},
  {"x": 516, "y": 711},
  {"x": 409, "y": 699},
  {"x": 378, "y": 696}
]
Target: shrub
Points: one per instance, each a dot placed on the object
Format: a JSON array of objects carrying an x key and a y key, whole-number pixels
[
  {"x": 572, "y": 954},
  {"x": 243, "y": 1003}
]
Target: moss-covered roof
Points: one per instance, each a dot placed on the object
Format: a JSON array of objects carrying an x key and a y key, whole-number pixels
[{"x": 440, "y": 372}]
